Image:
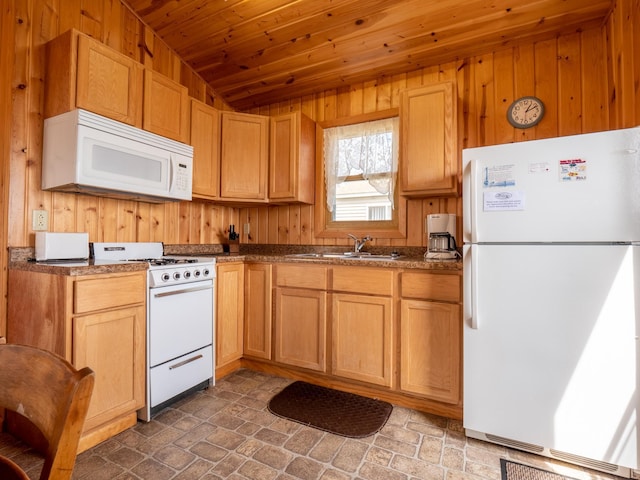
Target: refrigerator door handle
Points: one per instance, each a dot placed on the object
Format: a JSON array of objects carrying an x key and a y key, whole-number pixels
[
  {"x": 473, "y": 185},
  {"x": 470, "y": 279}
]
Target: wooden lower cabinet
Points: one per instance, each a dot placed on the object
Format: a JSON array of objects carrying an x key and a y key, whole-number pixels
[
  {"x": 431, "y": 335},
  {"x": 229, "y": 315},
  {"x": 107, "y": 341},
  {"x": 430, "y": 349},
  {"x": 384, "y": 332},
  {"x": 257, "y": 307},
  {"x": 362, "y": 323},
  {"x": 362, "y": 338},
  {"x": 97, "y": 321},
  {"x": 300, "y": 328}
]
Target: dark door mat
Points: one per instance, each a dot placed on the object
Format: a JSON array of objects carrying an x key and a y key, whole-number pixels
[
  {"x": 517, "y": 471},
  {"x": 330, "y": 410}
]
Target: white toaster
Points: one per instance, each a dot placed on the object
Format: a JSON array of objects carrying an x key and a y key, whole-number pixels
[{"x": 61, "y": 246}]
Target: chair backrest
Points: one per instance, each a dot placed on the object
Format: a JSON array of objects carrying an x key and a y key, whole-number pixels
[{"x": 53, "y": 395}]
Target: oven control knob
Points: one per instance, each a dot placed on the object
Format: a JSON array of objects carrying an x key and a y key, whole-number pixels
[
  {"x": 176, "y": 276},
  {"x": 196, "y": 273},
  {"x": 205, "y": 272},
  {"x": 187, "y": 274},
  {"x": 165, "y": 277}
]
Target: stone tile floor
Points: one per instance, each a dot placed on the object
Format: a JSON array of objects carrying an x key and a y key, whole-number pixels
[{"x": 227, "y": 432}]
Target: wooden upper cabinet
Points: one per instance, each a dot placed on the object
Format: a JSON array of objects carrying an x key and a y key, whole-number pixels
[
  {"x": 428, "y": 130},
  {"x": 84, "y": 73},
  {"x": 166, "y": 107},
  {"x": 292, "y": 158},
  {"x": 205, "y": 139},
  {"x": 244, "y": 157}
]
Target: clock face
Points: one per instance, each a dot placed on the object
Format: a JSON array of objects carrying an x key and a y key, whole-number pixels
[{"x": 525, "y": 112}]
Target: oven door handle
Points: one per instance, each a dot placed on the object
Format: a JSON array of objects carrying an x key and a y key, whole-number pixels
[
  {"x": 183, "y": 290},
  {"x": 184, "y": 362}
]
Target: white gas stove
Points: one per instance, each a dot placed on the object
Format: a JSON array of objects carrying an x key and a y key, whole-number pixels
[{"x": 180, "y": 320}]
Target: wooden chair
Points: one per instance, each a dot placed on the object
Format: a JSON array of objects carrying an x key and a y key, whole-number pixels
[{"x": 54, "y": 396}]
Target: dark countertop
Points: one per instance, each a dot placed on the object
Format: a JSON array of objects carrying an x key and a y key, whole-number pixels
[
  {"x": 75, "y": 268},
  {"x": 414, "y": 262},
  {"x": 410, "y": 259}
]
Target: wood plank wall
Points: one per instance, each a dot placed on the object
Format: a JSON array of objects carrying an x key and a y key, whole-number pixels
[
  {"x": 6, "y": 65},
  {"x": 588, "y": 81},
  {"x": 38, "y": 21},
  {"x": 568, "y": 73}
]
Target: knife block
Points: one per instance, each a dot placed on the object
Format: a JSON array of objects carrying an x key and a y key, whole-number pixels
[{"x": 234, "y": 247}]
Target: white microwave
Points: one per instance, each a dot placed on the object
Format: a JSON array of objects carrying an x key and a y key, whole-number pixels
[{"x": 88, "y": 153}]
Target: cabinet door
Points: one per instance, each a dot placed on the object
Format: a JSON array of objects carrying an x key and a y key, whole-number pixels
[
  {"x": 85, "y": 73},
  {"x": 257, "y": 320},
  {"x": 362, "y": 338},
  {"x": 300, "y": 330},
  {"x": 428, "y": 126},
  {"x": 108, "y": 82},
  {"x": 230, "y": 313},
  {"x": 205, "y": 139},
  {"x": 292, "y": 158},
  {"x": 244, "y": 157},
  {"x": 166, "y": 107},
  {"x": 430, "y": 349},
  {"x": 112, "y": 344}
]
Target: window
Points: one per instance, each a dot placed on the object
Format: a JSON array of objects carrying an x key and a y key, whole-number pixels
[
  {"x": 356, "y": 183},
  {"x": 379, "y": 213},
  {"x": 361, "y": 165}
]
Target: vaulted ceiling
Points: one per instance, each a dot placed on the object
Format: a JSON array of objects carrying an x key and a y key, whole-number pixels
[{"x": 257, "y": 52}]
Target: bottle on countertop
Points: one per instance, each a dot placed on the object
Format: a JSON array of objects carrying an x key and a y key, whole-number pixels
[{"x": 233, "y": 235}]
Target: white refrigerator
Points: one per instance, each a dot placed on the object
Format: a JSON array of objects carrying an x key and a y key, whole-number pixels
[{"x": 552, "y": 297}]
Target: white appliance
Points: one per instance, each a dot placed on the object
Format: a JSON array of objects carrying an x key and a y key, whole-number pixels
[
  {"x": 51, "y": 246},
  {"x": 88, "y": 153},
  {"x": 442, "y": 237},
  {"x": 180, "y": 320},
  {"x": 552, "y": 297}
]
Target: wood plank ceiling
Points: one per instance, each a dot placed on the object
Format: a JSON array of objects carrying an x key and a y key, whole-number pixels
[{"x": 258, "y": 52}]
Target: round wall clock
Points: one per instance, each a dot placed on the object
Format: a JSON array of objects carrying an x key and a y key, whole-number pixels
[{"x": 525, "y": 112}]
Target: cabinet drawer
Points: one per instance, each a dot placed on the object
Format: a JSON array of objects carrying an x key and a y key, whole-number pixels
[
  {"x": 301, "y": 276},
  {"x": 430, "y": 286},
  {"x": 371, "y": 281},
  {"x": 103, "y": 293}
]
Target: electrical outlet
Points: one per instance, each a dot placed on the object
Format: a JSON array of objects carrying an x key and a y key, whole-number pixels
[
  {"x": 247, "y": 228},
  {"x": 40, "y": 219}
]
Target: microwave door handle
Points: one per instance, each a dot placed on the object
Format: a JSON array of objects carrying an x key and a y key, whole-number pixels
[{"x": 171, "y": 172}]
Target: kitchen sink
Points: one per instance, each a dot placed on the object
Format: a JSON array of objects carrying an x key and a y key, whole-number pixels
[{"x": 349, "y": 255}]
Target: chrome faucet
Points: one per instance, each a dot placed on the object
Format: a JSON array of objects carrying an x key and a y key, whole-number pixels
[{"x": 358, "y": 243}]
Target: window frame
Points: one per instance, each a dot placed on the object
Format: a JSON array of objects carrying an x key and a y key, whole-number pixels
[{"x": 325, "y": 227}]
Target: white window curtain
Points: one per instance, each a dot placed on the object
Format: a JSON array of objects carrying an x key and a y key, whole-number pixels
[{"x": 369, "y": 149}]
